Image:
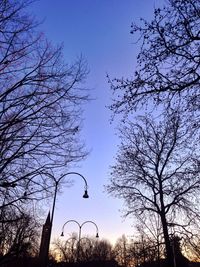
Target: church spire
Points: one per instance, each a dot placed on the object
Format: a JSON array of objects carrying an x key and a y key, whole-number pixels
[
  {"x": 45, "y": 239},
  {"x": 48, "y": 219}
]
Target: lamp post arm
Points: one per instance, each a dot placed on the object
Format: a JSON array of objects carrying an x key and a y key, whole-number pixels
[
  {"x": 65, "y": 174},
  {"x": 69, "y": 222},
  {"x": 92, "y": 223},
  {"x": 56, "y": 187},
  {"x": 68, "y": 173}
]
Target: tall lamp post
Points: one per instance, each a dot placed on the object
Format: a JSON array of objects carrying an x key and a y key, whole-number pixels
[
  {"x": 44, "y": 250},
  {"x": 79, "y": 235}
]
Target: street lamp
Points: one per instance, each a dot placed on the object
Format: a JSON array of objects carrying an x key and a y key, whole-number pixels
[
  {"x": 79, "y": 235},
  {"x": 45, "y": 251},
  {"x": 85, "y": 195}
]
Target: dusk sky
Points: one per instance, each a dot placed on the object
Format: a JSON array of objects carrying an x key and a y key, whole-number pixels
[{"x": 100, "y": 31}]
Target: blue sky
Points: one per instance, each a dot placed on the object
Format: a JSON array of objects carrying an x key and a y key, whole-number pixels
[{"x": 100, "y": 31}]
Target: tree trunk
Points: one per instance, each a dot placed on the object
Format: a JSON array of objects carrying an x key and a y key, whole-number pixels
[{"x": 169, "y": 252}]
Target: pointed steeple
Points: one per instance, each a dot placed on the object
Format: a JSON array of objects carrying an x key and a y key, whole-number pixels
[
  {"x": 45, "y": 238},
  {"x": 48, "y": 219}
]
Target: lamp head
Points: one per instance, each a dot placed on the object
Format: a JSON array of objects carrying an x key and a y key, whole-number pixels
[
  {"x": 62, "y": 234},
  {"x": 86, "y": 194},
  {"x": 97, "y": 235}
]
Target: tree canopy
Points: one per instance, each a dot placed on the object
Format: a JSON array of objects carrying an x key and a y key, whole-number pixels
[
  {"x": 40, "y": 105},
  {"x": 157, "y": 171},
  {"x": 157, "y": 165},
  {"x": 41, "y": 100},
  {"x": 167, "y": 69}
]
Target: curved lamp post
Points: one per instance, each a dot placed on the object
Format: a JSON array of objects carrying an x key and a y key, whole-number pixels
[
  {"x": 79, "y": 235},
  {"x": 57, "y": 181},
  {"x": 85, "y": 195}
]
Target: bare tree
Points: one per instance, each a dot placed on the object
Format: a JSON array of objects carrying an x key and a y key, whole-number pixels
[
  {"x": 67, "y": 250},
  {"x": 102, "y": 250},
  {"x": 122, "y": 251},
  {"x": 168, "y": 62},
  {"x": 40, "y": 109},
  {"x": 150, "y": 237},
  {"x": 90, "y": 250},
  {"x": 142, "y": 251},
  {"x": 137, "y": 251},
  {"x": 193, "y": 246},
  {"x": 157, "y": 171},
  {"x": 19, "y": 239},
  {"x": 157, "y": 167}
]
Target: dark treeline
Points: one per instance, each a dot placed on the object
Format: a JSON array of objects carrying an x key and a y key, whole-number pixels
[{"x": 142, "y": 251}]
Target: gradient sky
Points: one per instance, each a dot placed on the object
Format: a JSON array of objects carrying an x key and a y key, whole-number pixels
[{"x": 100, "y": 31}]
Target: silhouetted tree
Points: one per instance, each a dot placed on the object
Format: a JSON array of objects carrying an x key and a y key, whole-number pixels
[
  {"x": 102, "y": 250},
  {"x": 157, "y": 171},
  {"x": 40, "y": 110},
  {"x": 168, "y": 62},
  {"x": 166, "y": 76},
  {"x": 40, "y": 119},
  {"x": 19, "y": 239},
  {"x": 66, "y": 250},
  {"x": 179, "y": 259},
  {"x": 142, "y": 251},
  {"x": 90, "y": 250},
  {"x": 191, "y": 244},
  {"x": 122, "y": 251},
  {"x": 149, "y": 239}
]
